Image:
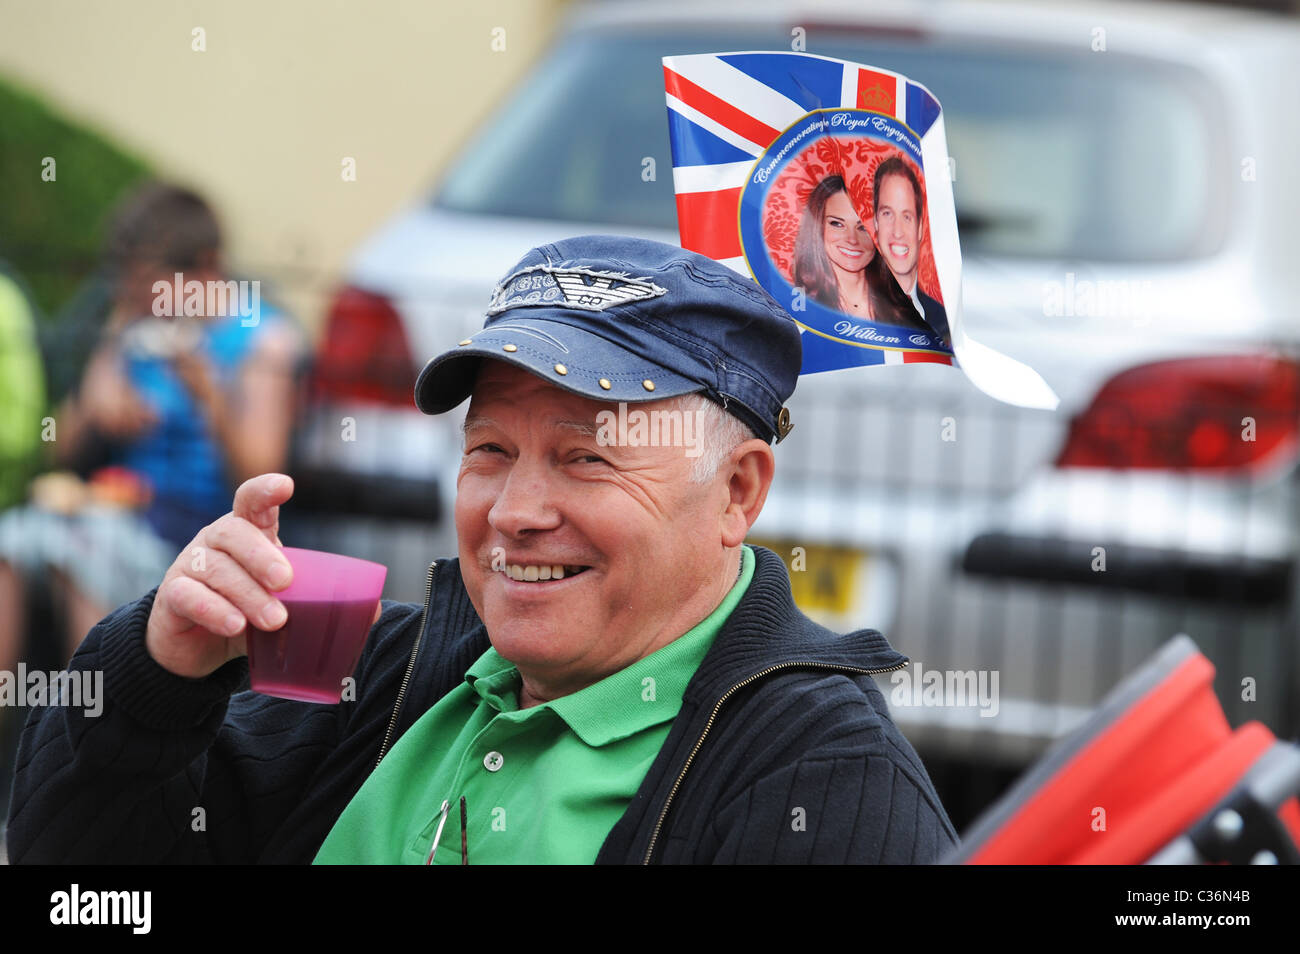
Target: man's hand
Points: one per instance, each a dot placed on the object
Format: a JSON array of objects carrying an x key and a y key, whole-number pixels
[{"x": 221, "y": 581}]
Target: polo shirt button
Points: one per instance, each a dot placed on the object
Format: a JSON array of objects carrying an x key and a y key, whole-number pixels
[{"x": 493, "y": 761}]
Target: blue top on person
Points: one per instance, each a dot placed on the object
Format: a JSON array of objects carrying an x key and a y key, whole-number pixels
[{"x": 180, "y": 456}]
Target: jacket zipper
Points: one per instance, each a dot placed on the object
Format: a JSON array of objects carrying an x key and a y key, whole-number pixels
[
  {"x": 410, "y": 665},
  {"x": 654, "y": 835}
]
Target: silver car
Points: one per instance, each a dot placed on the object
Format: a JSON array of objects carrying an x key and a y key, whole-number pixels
[{"x": 1126, "y": 206}]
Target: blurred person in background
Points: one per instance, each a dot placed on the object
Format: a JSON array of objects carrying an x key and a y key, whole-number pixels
[{"x": 171, "y": 414}]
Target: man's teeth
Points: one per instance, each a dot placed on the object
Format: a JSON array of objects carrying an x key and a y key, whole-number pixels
[
  {"x": 532, "y": 573},
  {"x": 900, "y": 250}
]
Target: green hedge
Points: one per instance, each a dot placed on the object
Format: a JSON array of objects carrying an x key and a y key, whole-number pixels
[
  {"x": 50, "y": 242},
  {"x": 50, "y": 232}
]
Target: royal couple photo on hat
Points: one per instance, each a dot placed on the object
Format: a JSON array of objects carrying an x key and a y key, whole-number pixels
[{"x": 855, "y": 240}]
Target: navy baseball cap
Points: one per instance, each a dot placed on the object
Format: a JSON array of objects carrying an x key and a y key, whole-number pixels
[{"x": 625, "y": 319}]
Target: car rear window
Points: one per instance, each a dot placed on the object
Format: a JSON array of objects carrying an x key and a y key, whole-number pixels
[{"x": 1058, "y": 153}]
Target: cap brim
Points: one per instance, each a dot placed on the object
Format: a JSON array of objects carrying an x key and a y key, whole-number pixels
[{"x": 570, "y": 358}]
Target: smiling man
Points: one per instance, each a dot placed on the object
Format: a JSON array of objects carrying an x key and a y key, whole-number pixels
[
  {"x": 618, "y": 539},
  {"x": 899, "y": 230},
  {"x": 606, "y": 673}
]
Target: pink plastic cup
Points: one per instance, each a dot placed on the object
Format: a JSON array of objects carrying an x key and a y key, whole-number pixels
[{"x": 330, "y": 604}]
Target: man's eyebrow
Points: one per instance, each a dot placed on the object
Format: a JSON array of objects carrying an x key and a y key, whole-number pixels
[
  {"x": 585, "y": 428},
  {"x": 474, "y": 424}
]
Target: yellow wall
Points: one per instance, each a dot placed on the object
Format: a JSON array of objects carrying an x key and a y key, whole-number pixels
[{"x": 260, "y": 121}]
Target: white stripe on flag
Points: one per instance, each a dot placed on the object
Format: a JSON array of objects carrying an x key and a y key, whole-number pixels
[
  {"x": 739, "y": 89},
  {"x": 736, "y": 264},
  {"x": 849, "y": 87},
  {"x": 724, "y": 175},
  {"x": 900, "y": 100},
  {"x": 719, "y": 130},
  {"x": 893, "y": 357}
]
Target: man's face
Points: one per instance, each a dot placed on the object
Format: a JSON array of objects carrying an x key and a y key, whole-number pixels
[
  {"x": 899, "y": 230},
  {"x": 639, "y": 543}
]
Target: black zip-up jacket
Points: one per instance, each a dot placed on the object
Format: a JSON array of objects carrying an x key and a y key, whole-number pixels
[{"x": 783, "y": 751}]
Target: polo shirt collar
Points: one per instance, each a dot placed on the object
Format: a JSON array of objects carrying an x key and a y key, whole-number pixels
[{"x": 645, "y": 694}]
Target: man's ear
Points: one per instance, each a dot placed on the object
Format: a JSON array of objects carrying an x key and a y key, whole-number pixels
[{"x": 750, "y": 468}]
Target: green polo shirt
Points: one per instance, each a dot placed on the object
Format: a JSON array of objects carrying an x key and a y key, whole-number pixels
[{"x": 542, "y": 785}]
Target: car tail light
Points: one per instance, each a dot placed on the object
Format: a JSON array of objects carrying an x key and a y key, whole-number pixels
[
  {"x": 363, "y": 354},
  {"x": 1225, "y": 414}
]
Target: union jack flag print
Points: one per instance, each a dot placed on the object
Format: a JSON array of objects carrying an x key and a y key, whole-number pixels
[{"x": 755, "y": 134}]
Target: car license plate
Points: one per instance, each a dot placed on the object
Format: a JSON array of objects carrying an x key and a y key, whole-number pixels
[{"x": 826, "y": 581}]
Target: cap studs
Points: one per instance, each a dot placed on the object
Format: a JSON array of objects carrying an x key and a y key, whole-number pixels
[
  {"x": 561, "y": 369},
  {"x": 509, "y": 347},
  {"x": 783, "y": 425},
  {"x": 465, "y": 342},
  {"x": 648, "y": 384},
  {"x": 604, "y": 383}
]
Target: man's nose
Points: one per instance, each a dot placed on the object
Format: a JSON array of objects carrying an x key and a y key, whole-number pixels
[{"x": 526, "y": 501}]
